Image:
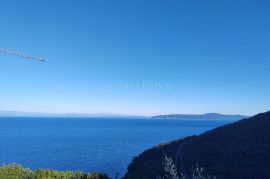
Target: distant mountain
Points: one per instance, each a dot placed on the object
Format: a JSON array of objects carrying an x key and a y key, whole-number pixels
[
  {"x": 39, "y": 114},
  {"x": 19, "y": 113},
  {"x": 237, "y": 150},
  {"x": 207, "y": 116}
]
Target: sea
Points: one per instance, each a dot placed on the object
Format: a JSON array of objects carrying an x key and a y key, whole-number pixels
[{"x": 102, "y": 144}]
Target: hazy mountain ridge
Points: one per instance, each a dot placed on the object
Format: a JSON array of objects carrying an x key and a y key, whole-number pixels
[
  {"x": 41, "y": 114},
  {"x": 209, "y": 116}
]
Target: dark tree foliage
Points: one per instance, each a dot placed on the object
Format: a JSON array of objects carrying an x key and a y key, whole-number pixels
[
  {"x": 150, "y": 163},
  {"x": 238, "y": 150}
]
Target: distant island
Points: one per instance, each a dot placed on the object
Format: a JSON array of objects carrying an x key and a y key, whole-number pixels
[{"x": 207, "y": 116}]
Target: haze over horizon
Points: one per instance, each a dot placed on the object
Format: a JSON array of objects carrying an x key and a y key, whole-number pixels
[
  {"x": 35, "y": 113},
  {"x": 136, "y": 57}
]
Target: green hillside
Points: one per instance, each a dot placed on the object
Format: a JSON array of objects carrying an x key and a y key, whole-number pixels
[{"x": 235, "y": 151}]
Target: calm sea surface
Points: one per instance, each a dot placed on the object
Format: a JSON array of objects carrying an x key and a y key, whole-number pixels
[{"x": 88, "y": 144}]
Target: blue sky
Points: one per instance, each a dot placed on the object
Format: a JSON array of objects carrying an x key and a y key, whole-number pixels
[{"x": 136, "y": 56}]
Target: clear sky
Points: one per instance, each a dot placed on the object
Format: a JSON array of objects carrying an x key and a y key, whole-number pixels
[{"x": 140, "y": 57}]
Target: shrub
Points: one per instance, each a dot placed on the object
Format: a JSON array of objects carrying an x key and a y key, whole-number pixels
[
  {"x": 171, "y": 172},
  {"x": 15, "y": 171}
]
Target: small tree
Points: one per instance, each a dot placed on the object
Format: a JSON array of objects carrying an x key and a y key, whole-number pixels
[{"x": 171, "y": 172}]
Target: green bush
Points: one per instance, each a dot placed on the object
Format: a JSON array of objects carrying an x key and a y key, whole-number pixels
[{"x": 15, "y": 171}]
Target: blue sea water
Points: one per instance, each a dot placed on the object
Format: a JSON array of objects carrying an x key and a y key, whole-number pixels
[{"x": 88, "y": 144}]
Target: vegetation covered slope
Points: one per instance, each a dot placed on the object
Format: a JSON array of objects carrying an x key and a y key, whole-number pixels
[
  {"x": 234, "y": 151},
  {"x": 238, "y": 150},
  {"x": 149, "y": 164},
  {"x": 15, "y": 171}
]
